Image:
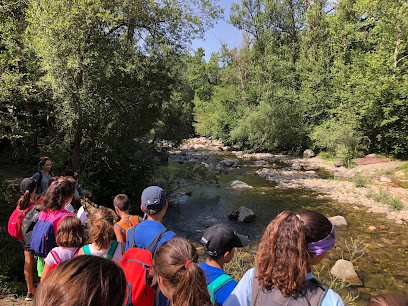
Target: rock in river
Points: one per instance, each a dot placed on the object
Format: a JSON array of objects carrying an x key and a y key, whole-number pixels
[
  {"x": 230, "y": 162},
  {"x": 338, "y": 221},
  {"x": 242, "y": 214},
  {"x": 239, "y": 185},
  {"x": 343, "y": 269}
]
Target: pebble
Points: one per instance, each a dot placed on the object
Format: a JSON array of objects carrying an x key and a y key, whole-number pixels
[{"x": 372, "y": 228}]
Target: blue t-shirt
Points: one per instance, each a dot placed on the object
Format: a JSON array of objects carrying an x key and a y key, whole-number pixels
[
  {"x": 145, "y": 233},
  {"x": 242, "y": 293},
  {"x": 211, "y": 274}
]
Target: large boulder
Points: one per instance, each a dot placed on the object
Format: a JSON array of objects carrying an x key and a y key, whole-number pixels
[
  {"x": 239, "y": 185},
  {"x": 242, "y": 214},
  {"x": 343, "y": 269},
  {"x": 338, "y": 221},
  {"x": 308, "y": 153}
]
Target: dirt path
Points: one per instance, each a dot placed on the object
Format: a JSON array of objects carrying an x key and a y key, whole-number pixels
[{"x": 10, "y": 301}]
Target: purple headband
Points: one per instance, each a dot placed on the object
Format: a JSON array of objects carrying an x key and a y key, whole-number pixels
[{"x": 324, "y": 245}]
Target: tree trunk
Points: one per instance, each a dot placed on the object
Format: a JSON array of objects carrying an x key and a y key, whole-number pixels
[{"x": 76, "y": 146}]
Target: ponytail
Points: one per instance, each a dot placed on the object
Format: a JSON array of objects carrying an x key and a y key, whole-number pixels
[
  {"x": 176, "y": 262},
  {"x": 101, "y": 230},
  {"x": 282, "y": 258}
]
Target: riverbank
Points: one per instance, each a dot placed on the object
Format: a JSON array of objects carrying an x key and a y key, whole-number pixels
[{"x": 373, "y": 185}]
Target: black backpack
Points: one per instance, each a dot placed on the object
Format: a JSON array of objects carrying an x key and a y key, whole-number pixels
[{"x": 28, "y": 223}]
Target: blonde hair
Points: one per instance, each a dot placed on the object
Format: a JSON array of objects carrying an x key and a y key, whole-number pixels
[{"x": 101, "y": 227}]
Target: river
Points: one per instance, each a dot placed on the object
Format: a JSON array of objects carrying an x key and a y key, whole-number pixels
[{"x": 201, "y": 199}]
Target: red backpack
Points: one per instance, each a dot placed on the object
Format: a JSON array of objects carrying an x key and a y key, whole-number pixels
[
  {"x": 15, "y": 221},
  {"x": 137, "y": 263}
]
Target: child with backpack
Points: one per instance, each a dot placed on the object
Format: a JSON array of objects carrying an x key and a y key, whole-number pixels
[
  {"x": 291, "y": 244},
  {"x": 122, "y": 207},
  {"x": 24, "y": 205},
  {"x": 57, "y": 196},
  {"x": 101, "y": 234},
  {"x": 219, "y": 242},
  {"x": 178, "y": 275},
  {"x": 83, "y": 281},
  {"x": 70, "y": 238}
]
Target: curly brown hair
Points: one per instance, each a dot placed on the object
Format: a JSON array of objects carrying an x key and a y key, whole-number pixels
[
  {"x": 57, "y": 194},
  {"x": 101, "y": 227},
  {"x": 176, "y": 261},
  {"x": 282, "y": 258},
  {"x": 83, "y": 281},
  {"x": 70, "y": 233}
]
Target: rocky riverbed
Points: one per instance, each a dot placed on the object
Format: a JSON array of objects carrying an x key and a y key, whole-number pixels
[{"x": 366, "y": 184}]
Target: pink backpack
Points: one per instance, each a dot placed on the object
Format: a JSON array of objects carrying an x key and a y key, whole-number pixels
[{"x": 15, "y": 221}]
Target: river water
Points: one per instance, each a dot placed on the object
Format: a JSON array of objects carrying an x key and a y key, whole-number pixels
[{"x": 383, "y": 267}]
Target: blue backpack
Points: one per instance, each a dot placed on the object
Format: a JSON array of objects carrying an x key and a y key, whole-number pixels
[{"x": 43, "y": 236}]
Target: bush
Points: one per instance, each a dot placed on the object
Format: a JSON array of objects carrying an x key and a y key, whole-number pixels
[
  {"x": 340, "y": 138},
  {"x": 273, "y": 125},
  {"x": 360, "y": 181}
]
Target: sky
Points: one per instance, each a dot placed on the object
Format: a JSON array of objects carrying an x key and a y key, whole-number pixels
[{"x": 222, "y": 31}]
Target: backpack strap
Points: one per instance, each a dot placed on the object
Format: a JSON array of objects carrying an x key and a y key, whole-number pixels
[
  {"x": 87, "y": 250},
  {"x": 319, "y": 289},
  {"x": 57, "y": 216},
  {"x": 219, "y": 282},
  {"x": 112, "y": 249},
  {"x": 216, "y": 285},
  {"x": 153, "y": 244},
  {"x": 56, "y": 257},
  {"x": 39, "y": 181},
  {"x": 132, "y": 242}
]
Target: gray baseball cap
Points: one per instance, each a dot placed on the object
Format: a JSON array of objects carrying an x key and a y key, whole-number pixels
[{"x": 153, "y": 199}]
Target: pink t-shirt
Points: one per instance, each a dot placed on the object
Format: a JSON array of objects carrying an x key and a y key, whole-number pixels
[
  {"x": 50, "y": 214},
  {"x": 62, "y": 252}
]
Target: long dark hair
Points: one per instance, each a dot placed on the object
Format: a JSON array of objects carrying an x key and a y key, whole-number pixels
[
  {"x": 282, "y": 258},
  {"x": 27, "y": 186},
  {"x": 56, "y": 195},
  {"x": 176, "y": 262}
]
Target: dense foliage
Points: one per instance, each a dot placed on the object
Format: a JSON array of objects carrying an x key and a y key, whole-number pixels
[
  {"x": 95, "y": 84},
  {"x": 333, "y": 75}
]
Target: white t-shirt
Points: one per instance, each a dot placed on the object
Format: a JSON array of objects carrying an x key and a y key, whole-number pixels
[{"x": 103, "y": 253}]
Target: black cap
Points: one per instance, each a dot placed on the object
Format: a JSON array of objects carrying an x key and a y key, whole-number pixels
[
  {"x": 220, "y": 238},
  {"x": 28, "y": 184}
]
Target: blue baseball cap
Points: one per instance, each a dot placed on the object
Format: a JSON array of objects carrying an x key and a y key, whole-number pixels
[{"x": 153, "y": 199}]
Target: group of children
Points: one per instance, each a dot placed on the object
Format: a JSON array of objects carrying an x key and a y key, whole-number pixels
[{"x": 291, "y": 244}]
